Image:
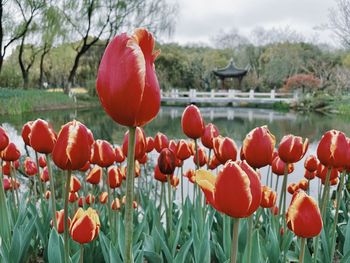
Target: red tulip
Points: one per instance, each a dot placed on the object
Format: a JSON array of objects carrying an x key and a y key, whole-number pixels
[
  {"x": 258, "y": 147},
  {"x": 172, "y": 146},
  {"x": 115, "y": 177},
  {"x": 268, "y": 197},
  {"x": 4, "y": 139},
  {"x": 85, "y": 167},
  {"x": 322, "y": 172},
  {"x": 47, "y": 195},
  {"x": 44, "y": 176},
  {"x": 119, "y": 155},
  {"x": 150, "y": 144},
  {"x": 60, "y": 221},
  {"x": 42, "y": 137},
  {"x": 81, "y": 201},
  {"x": 30, "y": 167},
  {"x": 137, "y": 169},
  {"x": 191, "y": 175},
  {"x": 42, "y": 161},
  {"x": 140, "y": 143},
  {"x": 210, "y": 132},
  {"x": 26, "y": 129},
  {"x": 236, "y": 191},
  {"x": 278, "y": 166},
  {"x": 292, "y": 187},
  {"x": 134, "y": 203},
  {"x": 116, "y": 204},
  {"x": 303, "y": 184},
  {"x": 192, "y": 122},
  {"x": 303, "y": 216},
  {"x": 85, "y": 226},
  {"x": 160, "y": 142},
  {"x": 143, "y": 159},
  {"x": 73, "y": 146},
  {"x": 103, "y": 197},
  {"x": 166, "y": 161},
  {"x": 102, "y": 153},
  {"x": 333, "y": 149},
  {"x": 310, "y": 175},
  {"x": 158, "y": 175},
  {"x": 311, "y": 163},
  {"x": 202, "y": 156},
  {"x": 213, "y": 162},
  {"x": 6, "y": 168},
  {"x": 95, "y": 175},
  {"x": 127, "y": 84},
  {"x": 74, "y": 184},
  {"x": 72, "y": 197},
  {"x": 7, "y": 184},
  {"x": 292, "y": 149},
  {"x": 89, "y": 199},
  {"x": 174, "y": 181},
  {"x": 334, "y": 181},
  {"x": 225, "y": 149},
  {"x": 183, "y": 150},
  {"x": 10, "y": 153}
]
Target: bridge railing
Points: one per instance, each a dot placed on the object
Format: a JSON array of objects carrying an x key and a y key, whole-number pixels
[{"x": 193, "y": 94}]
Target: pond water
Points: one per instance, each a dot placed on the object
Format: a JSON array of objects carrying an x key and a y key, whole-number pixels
[{"x": 232, "y": 122}]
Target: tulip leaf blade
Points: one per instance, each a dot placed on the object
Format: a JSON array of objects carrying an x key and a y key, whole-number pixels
[
  {"x": 182, "y": 254},
  {"x": 55, "y": 248},
  {"x": 163, "y": 246},
  {"x": 346, "y": 247}
]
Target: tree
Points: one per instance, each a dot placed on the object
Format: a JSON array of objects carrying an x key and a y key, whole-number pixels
[
  {"x": 305, "y": 81},
  {"x": 339, "y": 21}
]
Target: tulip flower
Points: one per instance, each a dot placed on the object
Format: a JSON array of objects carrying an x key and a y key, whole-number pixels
[
  {"x": 192, "y": 122},
  {"x": 150, "y": 144},
  {"x": 115, "y": 177},
  {"x": 26, "y": 129},
  {"x": 292, "y": 149},
  {"x": 81, "y": 201},
  {"x": 174, "y": 181},
  {"x": 103, "y": 197},
  {"x": 116, "y": 204},
  {"x": 44, "y": 176},
  {"x": 213, "y": 163},
  {"x": 202, "y": 157},
  {"x": 102, "y": 153},
  {"x": 85, "y": 226},
  {"x": 140, "y": 143},
  {"x": 89, "y": 199},
  {"x": 119, "y": 155},
  {"x": 311, "y": 163},
  {"x": 210, "y": 132},
  {"x": 143, "y": 159},
  {"x": 73, "y": 146},
  {"x": 7, "y": 184},
  {"x": 224, "y": 149},
  {"x": 47, "y": 196},
  {"x": 4, "y": 139},
  {"x": 160, "y": 142},
  {"x": 172, "y": 146},
  {"x": 95, "y": 175},
  {"x": 279, "y": 167},
  {"x": 85, "y": 167},
  {"x": 292, "y": 188},
  {"x": 166, "y": 161},
  {"x": 30, "y": 167},
  {"x": 158, "y": 175},
  {"x": 42, "y": 137},
  {"x": 303, "y": 184},
  {"x": 268, "y": 197},
  {"x": 42, "y": 161},
  {"x": 73, "y": 196},
  {"x": 183, "y": 150},
  {"x": 303, "y": 216},
  {"x": 60, "y": 221},
  {"x": 75, "y": 184},
  {"x": 10, "y": 153},
  {"x": 126, "y": 82},
  {"x": 310, "y": 175},
  {"x": 191, "y": 175},
  {"x": 258, "y": 147}
]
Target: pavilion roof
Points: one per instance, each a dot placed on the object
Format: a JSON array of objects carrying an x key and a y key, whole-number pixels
[{"x": 230, "y": 71}]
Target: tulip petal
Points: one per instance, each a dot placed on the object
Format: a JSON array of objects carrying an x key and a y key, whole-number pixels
[{"x": 206, "y": 182}]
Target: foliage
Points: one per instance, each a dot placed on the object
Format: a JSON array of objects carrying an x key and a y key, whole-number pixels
[{"x": 304, "y": 81}]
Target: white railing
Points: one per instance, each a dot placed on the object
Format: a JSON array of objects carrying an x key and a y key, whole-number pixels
[{"x": 176, "y": 95}]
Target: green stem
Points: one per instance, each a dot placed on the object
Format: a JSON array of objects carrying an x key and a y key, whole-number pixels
[
  {"x": 283, "y": 192},
  {"x": 41, "y": 189},
  {"x": 276, "y": 187},
  {"x": 129, "y": 196},
  {"x": 268, "y": 175},
  {"x": 110, "y": 215},
  {"x": 52, "y": 189},
  {"x": 81, "y": 259},
  {"x": 182, "y": 186},
  {"x": 161, "y": 197},
  {"x": 250, "y": 235},
  {"x": 302, "y": 250},
  {"x": 234, "y": 249},
  {"x": 339, "y": 198},
  {"x": 66, "y": 230},
  {"x": 5, "y": 223},
  {"x": 170, "y": 206},
  {"x": 12, "y": 164}
]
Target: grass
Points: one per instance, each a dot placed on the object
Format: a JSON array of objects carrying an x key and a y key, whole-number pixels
[{"x": 18, "y": 101}]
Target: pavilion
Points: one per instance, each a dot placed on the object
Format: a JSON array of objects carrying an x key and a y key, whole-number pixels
[{"x": 230, "y": 71}]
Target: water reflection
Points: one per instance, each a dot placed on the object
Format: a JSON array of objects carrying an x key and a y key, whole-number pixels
[{"x": 232, "y": 122}]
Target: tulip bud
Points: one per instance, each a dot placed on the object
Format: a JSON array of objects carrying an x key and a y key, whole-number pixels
[
  {"x": 310, "y": 175},
  {"x": 303, "y": 184},
  {"x": 85, "y": 226},
  {"x": 42, "y": 137},
  {"x": 47, "y": 195},
  {"x": 160, "y": 142},
  {"x": 292, "y": 149},
  {"x": 303, "y": 216},
  {"x": 115, "y": 177},
  {"x": 42, "y": 161},
  {"x": 102, "y": 153},
  {"x": 73, "y": 147},
  {"x": 26, "y": 129},
  {"x": 44, "y": 176},
  {"x": 74, "y": 184},
  {"x": 103, "y": 197},
  {"x": 224, "y": 149},
  {"x": 7, "y": 184},
  {"x": 89, "y": 199},
  {"x": 30, "y": 167},
  {"x": 174, "y": 181},
  {"x": 268, "y": 197},
  {"x": 60, "y": 221},
  {"x": 183, "y": 150},
  {"x": 311, "y": 163},
  {"x": 192, "y": 122},
  {"x": 126, "y": 83},
  {"x": 292, "y": 188},
  {"x": 210, "y": 132},
  {"x": 258, "y": 147},
  {"x": 202, "y": 156},
  {"x": 73, "y": 196},
  {"x": 166, "y": 161},
  {"x": 81, "y": 201},
  {"x": 116, "y": 204},
  {"x": 10, "y": 153},
  {"x": 95, "y": 175},
  {"x": 332, "y": 149},
  {"x": 140, "y": 143},
  {"x": 236, "y": 191}
]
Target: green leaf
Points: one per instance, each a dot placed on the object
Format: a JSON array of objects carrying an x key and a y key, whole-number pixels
[
  {"x": 163, "y": 246},
  {"x": 55, "y": 248},
  {"x": 346, "y": 246},
  {"x": 346, "y": 258},
  {"x": 183, "y": 252}
]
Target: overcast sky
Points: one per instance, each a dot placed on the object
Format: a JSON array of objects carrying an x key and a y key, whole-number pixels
[{"x": 200, "y": 20}]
